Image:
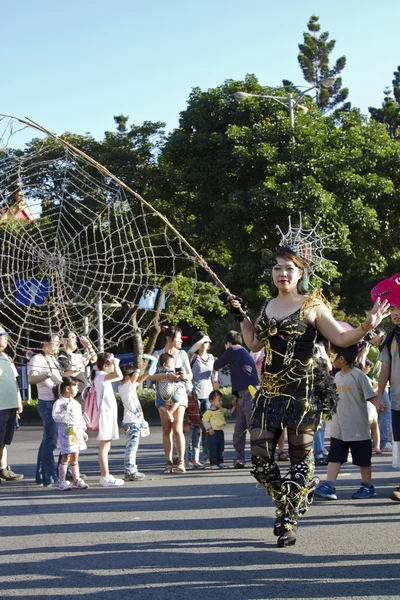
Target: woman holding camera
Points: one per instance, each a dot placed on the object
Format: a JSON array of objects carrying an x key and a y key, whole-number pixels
[{"x": 182, "y": 377}]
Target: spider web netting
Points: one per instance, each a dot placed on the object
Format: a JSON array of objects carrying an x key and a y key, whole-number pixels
[
  {"x": 308, "y": 244},
  {"x": 70, "y": 236}
]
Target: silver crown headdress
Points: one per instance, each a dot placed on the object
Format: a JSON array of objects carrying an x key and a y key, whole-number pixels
[{"x": 307, "y": 244}]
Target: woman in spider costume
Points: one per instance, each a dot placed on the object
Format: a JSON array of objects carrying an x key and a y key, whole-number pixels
[{"x": 287, "y": 397}]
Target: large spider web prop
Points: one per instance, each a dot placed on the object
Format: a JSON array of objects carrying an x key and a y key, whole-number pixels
[
  {"x": 70, "y": 236},
  {"x": 308, "y": 244}
]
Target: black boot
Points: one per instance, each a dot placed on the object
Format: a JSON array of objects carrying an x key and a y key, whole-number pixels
[
  {"x": 278, "y": 527},
  {"x": 288, "y": 532}
]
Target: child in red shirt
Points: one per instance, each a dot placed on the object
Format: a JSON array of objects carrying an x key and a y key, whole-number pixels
[{"x": 192, "y": 428}]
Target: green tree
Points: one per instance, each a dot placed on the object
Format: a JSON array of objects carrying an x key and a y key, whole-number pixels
[
  {"x": 234, "y": 171},
  {"x": 389, "y": 113},
  {"x": 314, "y": 61}
]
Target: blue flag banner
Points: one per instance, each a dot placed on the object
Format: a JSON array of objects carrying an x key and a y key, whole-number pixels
[{"x": 31, "y": 291}]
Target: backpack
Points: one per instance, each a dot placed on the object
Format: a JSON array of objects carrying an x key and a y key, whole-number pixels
[
  {"x": 166, "y": 389},
  {"x": 91, "y": 412}
]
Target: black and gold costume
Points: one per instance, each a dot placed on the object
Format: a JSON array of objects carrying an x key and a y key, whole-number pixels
[{"x": 287, "y": 398}]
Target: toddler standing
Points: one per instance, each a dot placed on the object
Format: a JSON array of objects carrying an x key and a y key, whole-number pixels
[
  {"x": 214, "y": 423},
  {"x": 192, "y": 421},
  {"x": 67, "y": 413}
]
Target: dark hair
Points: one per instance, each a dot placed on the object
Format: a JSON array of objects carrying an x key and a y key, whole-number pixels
[
  {"x": 198, "y": 336},
  {"x": 171, "y": 333},
  {"x": 64, "y": 383},
  {"x": 236, "y": 394},
  {"x": 164, "y": 358},
  {"x": 65, "y": 334},
  {"x": 128, "y": 370},
  {"x": 349, "y": 354},
  {"x": 215, "y": 394},
  {"x": 298, "y": 261},
  {"x": 233, "y": 337},
  {"x": 45, "y": 338},
  {"x": 102, "y": 358}
]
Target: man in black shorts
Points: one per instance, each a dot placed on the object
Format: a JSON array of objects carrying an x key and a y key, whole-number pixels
[{"x": 10, "y": 405}]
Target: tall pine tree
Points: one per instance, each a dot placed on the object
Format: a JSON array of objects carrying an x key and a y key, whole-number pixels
[
  {"x": 314, "y": 62},
  {"x": 389, "y": 114}
]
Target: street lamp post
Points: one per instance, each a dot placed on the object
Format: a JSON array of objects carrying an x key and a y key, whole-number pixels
[{"x": 290, "y": 102}]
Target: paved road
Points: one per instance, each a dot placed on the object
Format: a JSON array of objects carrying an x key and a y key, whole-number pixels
[{"x": 190, "y": 536}]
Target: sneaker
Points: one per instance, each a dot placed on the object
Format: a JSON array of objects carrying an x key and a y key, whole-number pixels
[
  {"x": 321, "y": 462},
  {"x": 7, "y": 474},
  {"x": 214, "y": 467},
  {"x": 223, "y": 466},
  {"x": 198, "y": 465},
  {"x": 134, "y": 476},
  {"x": 80, "y": 485},
  {"x": 110, "y": 481},
  {"x": 189, "y": 466},
  {"x": 388, "y": 447},
  {"x": 365, "y": 492},
  {"x": 63, "y": 485},
  {"x": 238, "y": 465},
  {"x": 396, "y": 495},
  {"x": 324, "y": 490}
]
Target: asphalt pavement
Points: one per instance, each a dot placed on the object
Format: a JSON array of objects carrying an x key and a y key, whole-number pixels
[{"x": 205, "y": 534}]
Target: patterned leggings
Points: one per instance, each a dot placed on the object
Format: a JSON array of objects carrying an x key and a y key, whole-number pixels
[{"x": 294, "y": 492}]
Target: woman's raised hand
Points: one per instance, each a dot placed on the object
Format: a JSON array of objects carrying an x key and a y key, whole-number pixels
[{"x": 379, "y": 311}]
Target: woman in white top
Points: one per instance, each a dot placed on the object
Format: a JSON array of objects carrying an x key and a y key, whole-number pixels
[
  {"x": 44, "y": 372},
  {"x": 107, "y": 371},
  {"x": 205, "y": 379},
  {"x": 182, "y": 377}
]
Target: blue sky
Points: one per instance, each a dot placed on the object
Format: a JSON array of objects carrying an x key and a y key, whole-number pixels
[{"x": 72, "y": 65}]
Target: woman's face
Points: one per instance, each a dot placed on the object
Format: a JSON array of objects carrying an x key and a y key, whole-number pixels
[
  {"x": 177, "y": 341},
  {"x": 52, "y": 346},
  {"x": 285, "y": 274},
  {"x": 204, "y": 347},
  {"x": 71, "y": 342}
]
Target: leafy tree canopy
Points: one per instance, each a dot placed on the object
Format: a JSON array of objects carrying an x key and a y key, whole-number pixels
[{"x": 234, "y": 171}]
